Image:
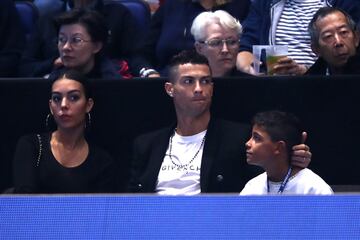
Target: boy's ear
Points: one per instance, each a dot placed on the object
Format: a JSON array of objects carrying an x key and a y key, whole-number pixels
[{"x": 280, "y": 147}]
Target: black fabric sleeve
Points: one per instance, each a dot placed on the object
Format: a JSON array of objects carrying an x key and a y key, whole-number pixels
[
  {"x": 105, "y": 181},
  {"x": 24, "y": 165},
  {"x": 137, "y": 167}
]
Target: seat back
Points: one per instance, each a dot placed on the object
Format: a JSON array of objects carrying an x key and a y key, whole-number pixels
[
  {"x": 139, "y": 9},
  {"x": 28, "y": 14}
]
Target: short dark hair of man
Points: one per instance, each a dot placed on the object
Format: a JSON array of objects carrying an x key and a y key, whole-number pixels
[
  {"x": 280, "y": 126},
  {"x": 184, "y": 57},
  {"x": 323, "y": 12}
]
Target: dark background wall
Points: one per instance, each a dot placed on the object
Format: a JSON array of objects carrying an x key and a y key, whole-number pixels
[{"x": 124, "y": 109}]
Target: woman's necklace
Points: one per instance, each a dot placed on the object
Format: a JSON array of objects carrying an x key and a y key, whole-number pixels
[{"x": 192, "y": 159}]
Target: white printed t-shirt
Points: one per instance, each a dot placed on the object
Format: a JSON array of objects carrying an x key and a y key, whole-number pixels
[{"x": 177, "y": 176}]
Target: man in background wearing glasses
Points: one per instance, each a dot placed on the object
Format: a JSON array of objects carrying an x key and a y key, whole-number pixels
[{"x": 216, "y": 37}]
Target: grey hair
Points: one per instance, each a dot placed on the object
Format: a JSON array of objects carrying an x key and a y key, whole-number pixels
[{"x": 223, "y": 18}]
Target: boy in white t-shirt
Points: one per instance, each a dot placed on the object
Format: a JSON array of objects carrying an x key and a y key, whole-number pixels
[{"x": 273, "y": 135}]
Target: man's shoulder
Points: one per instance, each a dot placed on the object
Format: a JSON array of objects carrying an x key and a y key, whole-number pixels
[
  {"x": 318, "y": 68},
  {"x": 149, "y": 136},
  {"x": 353, "y": 63},
  {"x": 152, "y": 140},
  {"x": 307, "y": 175},
  {"x": 258, "y": 179},
  {"x": 311, "y": 183},
  {"x": 255, "y": 185}
]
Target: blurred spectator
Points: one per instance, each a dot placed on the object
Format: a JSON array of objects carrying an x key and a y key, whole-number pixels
[
  {"x": 47, "y": 7},
  {"x": 216, "y": 37},
  {"x": 41, "y": 55},
  {"x": 170, "y": 32},
  {"x": 335, "y": 39},
  {"x": 281, "y": 22},
  {"x": 12, "y": 39},
  {"x": 82, "y": 35}
]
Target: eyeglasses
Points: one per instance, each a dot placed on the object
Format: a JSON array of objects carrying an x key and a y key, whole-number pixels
[
  {"x": 219, "y": 43},
  {"x": 73, "y": 41}
]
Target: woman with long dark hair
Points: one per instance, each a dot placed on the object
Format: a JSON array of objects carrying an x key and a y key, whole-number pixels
[{"x": 63, "y": 161}]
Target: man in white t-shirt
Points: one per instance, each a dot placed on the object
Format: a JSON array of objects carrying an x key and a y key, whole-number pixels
[
  {"x": 198, "y": 154},
  {"x": 273, "y": 135}
]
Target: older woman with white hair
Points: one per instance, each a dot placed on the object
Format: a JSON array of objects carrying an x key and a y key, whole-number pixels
[
  {"x": 217, "y": 37},
  {"x": 169, "y": 32}
]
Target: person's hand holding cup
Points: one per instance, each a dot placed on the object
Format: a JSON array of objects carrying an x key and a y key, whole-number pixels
[
  {"x": 277, "y": 60},
  {"x": 274, "y": 60},
  {"x": 288, "y": 66}
]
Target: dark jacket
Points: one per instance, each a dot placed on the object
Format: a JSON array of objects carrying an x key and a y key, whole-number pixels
[
  {"x": 320, "y": 67},
  {"x": 223, "y": 166},
  {"x": 42, "y": 50},
  {"x": 12, "y": 39},
  {"x": 104, "y": 69},
  {"x": 170, "y": 31}
]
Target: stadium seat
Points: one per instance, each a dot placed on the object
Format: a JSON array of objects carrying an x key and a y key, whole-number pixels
[
  {"x": 139, "y": 9},
  {"x": 28, "y": 14}
]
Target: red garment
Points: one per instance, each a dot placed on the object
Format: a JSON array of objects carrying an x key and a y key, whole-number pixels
[{"x": 124, "y": 69}]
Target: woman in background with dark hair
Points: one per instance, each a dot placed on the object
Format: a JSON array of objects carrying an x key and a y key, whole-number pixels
[
  {"x": 82, "y": 35},
  {"x": 41, "y": 56},
  {"x": 63, "y": 161}
]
